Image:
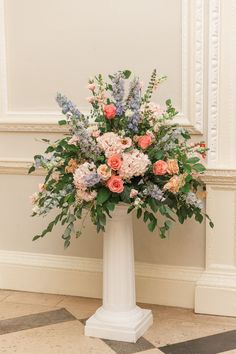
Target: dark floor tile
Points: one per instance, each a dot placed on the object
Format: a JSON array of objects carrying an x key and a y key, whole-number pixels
[
  {"x": 213, "y": 344},
  {"x": 35, "y": 320},
  {"x": 129, "y": 348}
]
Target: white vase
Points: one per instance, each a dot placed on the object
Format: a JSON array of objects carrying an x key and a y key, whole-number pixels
[{"x": 119, "y": 318}]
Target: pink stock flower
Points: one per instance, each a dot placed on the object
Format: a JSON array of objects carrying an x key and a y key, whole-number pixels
[
  {"x": 144, "y": 141},
  {"x": 114, "y": 162},
  {"x": 73, "y": 140},
  {"x": 115, "y": 184},
  {"x": 91, "y": 99},
  {"x": 160, "y": 168},
  {"x": 91, "y": 86},
  {"x": 41, "y": 187},
  {"x": 109, "y": 111},
  {"x": 56, "y": 176}
]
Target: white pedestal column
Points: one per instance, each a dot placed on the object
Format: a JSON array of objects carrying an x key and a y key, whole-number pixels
[{"x": 119, "y": 318}]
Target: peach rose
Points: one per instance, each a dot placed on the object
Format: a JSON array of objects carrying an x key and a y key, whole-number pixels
[
  {"x": 114, "y": 161},
  {"x": 109, "y": 111},
  {"x": 125, "y": 142},
  {"x": 115, "y": 184},
  {"x": 104, "y": 172},
  {"x": 160, "y": 168},
  {"x": 72, "y": 166},
  {"x": 172, "y": 167},
  {"x": 175, "y": 183},
  {"x": 144, "y": 141}
]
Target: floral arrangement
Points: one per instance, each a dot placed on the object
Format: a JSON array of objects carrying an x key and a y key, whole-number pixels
[{"x": 125, "y": 150}]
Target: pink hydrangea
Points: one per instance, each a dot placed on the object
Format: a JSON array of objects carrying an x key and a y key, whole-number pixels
[
  {"x": 113, "y": 144},
  {"x": 134, "y": 163}
]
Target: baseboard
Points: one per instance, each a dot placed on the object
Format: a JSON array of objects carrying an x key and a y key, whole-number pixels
[{"x": 156, "y": 284}]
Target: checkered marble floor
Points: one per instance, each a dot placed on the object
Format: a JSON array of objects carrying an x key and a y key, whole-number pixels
[{"x": 32, "y": 323}]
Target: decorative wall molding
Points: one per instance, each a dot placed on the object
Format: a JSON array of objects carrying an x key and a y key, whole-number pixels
[
  {"x": 32, "y": 127},
  {"x": 17, "y": 167},
  {"x": 171, "y": 285},
  {"x": 220, "y": 177},
  {"x": 213, "y": 79},
  {"x": 191, "y": 116}
]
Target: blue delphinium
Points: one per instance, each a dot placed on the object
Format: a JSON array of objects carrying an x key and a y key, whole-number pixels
[
  {"x": 118, "y": 92},
  {"x": 192, "y": 199},
  {"x": 155, "y": 192},
  {"x": 87, "y": 144},
  {"x": 134, "y": 103},
  {"x": 67, "y": 106}
]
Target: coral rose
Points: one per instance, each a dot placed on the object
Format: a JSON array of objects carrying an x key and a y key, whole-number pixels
[
  {"x": 109, "y": 111},
  {"x": 172, "y": 167},
  {"x": 104, "y": 172},
  {"x": 114, "y": 161},
  {"x": 115, "y": 184},
  {"x": 144, "y": 141},
  {"x": 160, "y": 168}
]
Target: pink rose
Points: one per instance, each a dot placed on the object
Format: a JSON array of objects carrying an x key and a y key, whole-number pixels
[
  {"x": 109, "y": 111},
  {"x": 133, "y": 193},
  {"x": 144, "y": 141},
  {"x": 91, "y": 86},
  {"x": 160, "y": 167},
  {"x": 115, "y": 184},
  {"x": 114, "y": 161},
  {"x": 96, "y": 133}
]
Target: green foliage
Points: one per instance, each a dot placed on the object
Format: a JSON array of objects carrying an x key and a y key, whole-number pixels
[{"x": 103, "y": 195}]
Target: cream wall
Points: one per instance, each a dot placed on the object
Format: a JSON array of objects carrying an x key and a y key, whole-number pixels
[{"x": 50, "y": 46}]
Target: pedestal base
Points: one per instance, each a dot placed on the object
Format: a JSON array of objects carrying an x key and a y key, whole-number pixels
[
  {"x": 126, "y": 326},
  {"x": 215, "y": 294}
]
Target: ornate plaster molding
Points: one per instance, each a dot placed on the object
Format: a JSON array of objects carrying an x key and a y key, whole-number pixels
[{"x": 213, "y": 79}]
